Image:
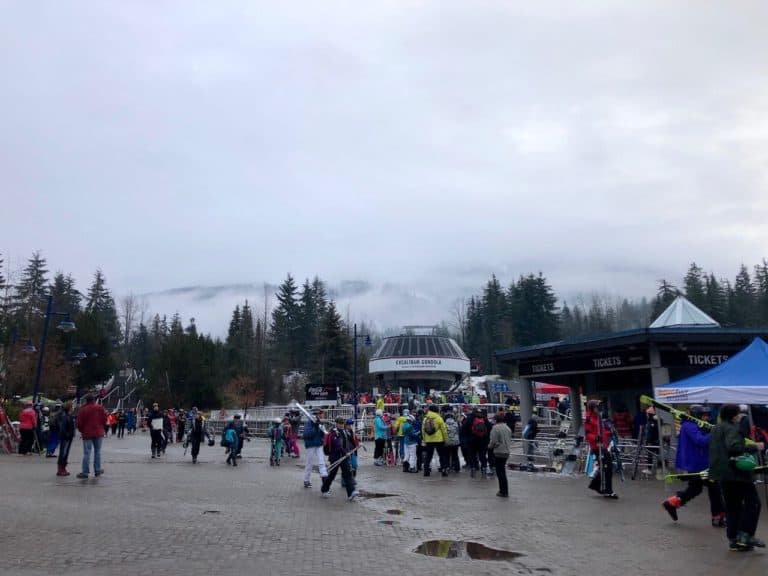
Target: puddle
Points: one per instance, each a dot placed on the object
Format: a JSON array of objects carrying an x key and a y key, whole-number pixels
[
  {"x": 395, "y": 512},
  {"x": 463, "y": 549},
  {"x": 364, "y": 494},
  {"x": 388, "y": 522},
  {"x": 211, "y": 511}
]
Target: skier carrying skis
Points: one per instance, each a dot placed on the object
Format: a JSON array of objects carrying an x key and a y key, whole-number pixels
[
  {"x": 341, "y": 444},
  {"x": 730, "y": 465},
  {"x": 693, "y": 456},
  {"x": 599, "y": 438},
  {"x": 196, "y": 433}
]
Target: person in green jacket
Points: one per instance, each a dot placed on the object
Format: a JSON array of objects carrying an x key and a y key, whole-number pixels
[{"x": 726, "y": 446}]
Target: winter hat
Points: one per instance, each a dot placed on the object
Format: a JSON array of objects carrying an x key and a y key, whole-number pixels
[
  {"x": 379, "y": 412},
  {"x": 406, "y": 412}
]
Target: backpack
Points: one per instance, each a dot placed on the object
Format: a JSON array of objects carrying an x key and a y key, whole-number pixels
[
  {"x": 453, "y": 432},
  {"x": 429, "y": 425},
  {"x": 327, "y": 444},
  {"x": 478, "y": 427}
]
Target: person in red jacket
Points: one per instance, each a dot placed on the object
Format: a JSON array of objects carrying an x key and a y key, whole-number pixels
[
  {"x": 599, "y": 438},
  {"x": 27, "y": 427},
  {"x": 91, "y": 420}
]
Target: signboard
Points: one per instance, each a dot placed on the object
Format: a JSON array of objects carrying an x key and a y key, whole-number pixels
[
  {"x": 499, "y": 387},
  {"x": 319, "y": 393},
  {"x": 695, "y": 359},
  {"x": 596, "y": 363},
  {"x": 419, "y": 364}
]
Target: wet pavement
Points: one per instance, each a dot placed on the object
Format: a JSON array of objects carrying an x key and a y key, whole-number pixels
[{"x": 172, "y": 517}]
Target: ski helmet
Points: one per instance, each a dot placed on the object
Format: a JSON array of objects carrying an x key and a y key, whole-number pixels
[{"x": 696, "y": 410}]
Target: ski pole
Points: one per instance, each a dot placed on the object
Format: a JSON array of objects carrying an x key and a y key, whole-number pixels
[{"x": 340, "y": 460}]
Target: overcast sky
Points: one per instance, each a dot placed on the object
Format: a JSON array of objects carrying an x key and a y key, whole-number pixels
[{"x": 402, "y": 151}]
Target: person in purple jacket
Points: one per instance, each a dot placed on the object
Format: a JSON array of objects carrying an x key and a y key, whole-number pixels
[{"x": 693, "y": 456}]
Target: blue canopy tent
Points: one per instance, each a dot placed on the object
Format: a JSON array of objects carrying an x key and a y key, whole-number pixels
[{"x": 742, "y": 379}]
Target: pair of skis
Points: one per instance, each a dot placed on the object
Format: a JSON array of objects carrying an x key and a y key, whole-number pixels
[
  {"x": 683, "y": 416},
  {"x": 704, "y": 475}
]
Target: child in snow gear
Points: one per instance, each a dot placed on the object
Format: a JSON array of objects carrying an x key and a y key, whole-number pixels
[
  {"x": 275, "y": 433},
  {"x": 380, "y": 433},
  {"x": 410, "y": 443},
  {"x": 742, "y": 503},
  {"x": 231, "y": 441},
  {"x": 693, "y": 456}
]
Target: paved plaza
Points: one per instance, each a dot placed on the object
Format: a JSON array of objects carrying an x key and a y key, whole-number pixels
[{"x": 169, "y": 516}]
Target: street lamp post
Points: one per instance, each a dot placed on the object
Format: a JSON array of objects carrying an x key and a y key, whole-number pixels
[
  {"x": 65, "y": 325},
  {"x": 355, "y": 336}
]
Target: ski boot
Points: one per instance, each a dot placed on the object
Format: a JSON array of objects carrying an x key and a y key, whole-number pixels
[
  {"x": 406, "y": 467},
  {"x": 671, "y": 505}
]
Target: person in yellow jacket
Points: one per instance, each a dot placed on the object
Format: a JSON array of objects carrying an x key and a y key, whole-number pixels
[{"x": 434, "y": 435}]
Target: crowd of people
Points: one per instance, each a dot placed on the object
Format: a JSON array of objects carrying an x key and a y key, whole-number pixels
[{"x": 430, "y": 437}]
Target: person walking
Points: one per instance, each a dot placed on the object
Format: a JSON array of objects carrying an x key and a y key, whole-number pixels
[
  {"x": 27, "y": 428},
  {"x": 231, "y": 441},
  {"x": 121, "y": 421},
  {"x": 380, "y": 435},
  {"x": 693, "y": 456},
  {"x": 53, "y": 436},
  {"x": 434, "y": 434},
  {"x": 197, "y": 432},
  {"x": 530, "y": 432},
  {"x": 476, "y": 430},
  {"x": 411, "y": 435},
  {"x": 91, "y": 422},
  {"x": 313, "y": 446},
  {"x": 500, "y": 444},
  {"x": 599, "y": 437},
  {"x": 66, "y": 426},
  {"x": 340, "y": 445},
  {"x": 731, "y": 464},
  {"x": 452, "y": 442},
  {"x": 155, "y": 423}
]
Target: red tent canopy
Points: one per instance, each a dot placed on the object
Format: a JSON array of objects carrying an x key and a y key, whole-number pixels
[{"x": 552, "y": 389}]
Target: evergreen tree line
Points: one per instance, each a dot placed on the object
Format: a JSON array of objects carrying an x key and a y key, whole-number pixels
[
  {"x": 267, "y": 356},
  {"x": 527, "y": 312}
]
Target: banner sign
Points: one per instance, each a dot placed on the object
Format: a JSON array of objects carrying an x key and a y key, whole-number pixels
[
  {"x": 694, "y": 359},
  {"x": 321, "y": 393},
  {"x": 419, "y": 364},
  {"x": 603, "y": 362}
]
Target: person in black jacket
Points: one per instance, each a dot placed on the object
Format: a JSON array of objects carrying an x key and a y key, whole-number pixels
[
  {"x": 66, "y": 434},
  {"x": 197, "y": 433},
  {"x": 155, "y": 423},
  {"x": 477, "y": 431}
]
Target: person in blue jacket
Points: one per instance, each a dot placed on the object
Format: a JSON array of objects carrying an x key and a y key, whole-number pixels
[
  {"x": 693, "y": 456},
  {"x": 313, "y": 444},
  {"x": 380, "y": 435}
]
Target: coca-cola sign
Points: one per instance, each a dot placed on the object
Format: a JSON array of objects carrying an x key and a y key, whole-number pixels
[{"x": 320, "y": 392}]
